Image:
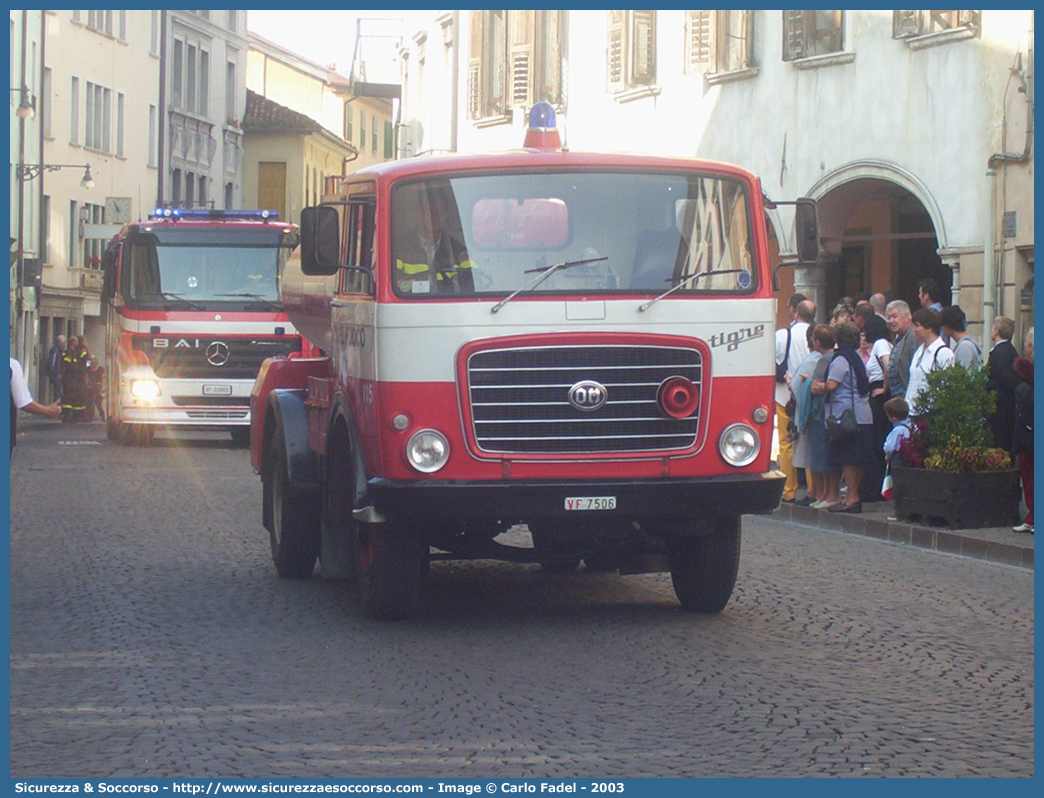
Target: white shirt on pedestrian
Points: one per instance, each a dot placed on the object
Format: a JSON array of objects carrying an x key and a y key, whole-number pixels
[
  {"x": 798, "y": 352},
  {"x": 926, "y": 359},
  {"x": 19, "y": 390}
]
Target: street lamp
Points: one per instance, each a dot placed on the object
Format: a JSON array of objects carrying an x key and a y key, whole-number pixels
[
  {"x": 28, "y": 171},
  {"x": 27, "y": 107}
]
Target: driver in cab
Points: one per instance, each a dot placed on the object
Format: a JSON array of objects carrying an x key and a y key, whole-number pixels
[{"x": 431, "y": 257}]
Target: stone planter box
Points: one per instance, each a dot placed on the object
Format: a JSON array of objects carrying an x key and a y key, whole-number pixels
[{"x": 963, "y": 501}]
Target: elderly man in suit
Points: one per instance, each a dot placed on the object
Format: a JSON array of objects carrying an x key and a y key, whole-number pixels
[{"x": 1002, "y": 381}]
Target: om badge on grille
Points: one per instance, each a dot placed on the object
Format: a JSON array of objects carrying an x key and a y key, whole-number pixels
[{"x": 587, "y": 395}]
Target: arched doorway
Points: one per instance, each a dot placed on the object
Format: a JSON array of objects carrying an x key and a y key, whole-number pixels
[{"x": 877, "y": 236}]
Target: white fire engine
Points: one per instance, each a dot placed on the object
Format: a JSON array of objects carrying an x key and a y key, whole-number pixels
[
  {"x": 192, "y": 309},
  {"x": 580, "y": 342}
]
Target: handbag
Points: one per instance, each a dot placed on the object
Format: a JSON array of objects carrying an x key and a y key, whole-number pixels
[{"x": 841, "y": 427}]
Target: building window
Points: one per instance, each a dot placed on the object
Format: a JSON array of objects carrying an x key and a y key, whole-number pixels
[
  {"x": 373, "y": 135},
  {"x": 190, "y": 189},
  {"x": 73, "y": 237},
  {"x": 230, "y": 89},
  {"x": 119, "y": 124},
  {"x": 229, "y": 195},
  {"x": 809, "y": 33},
  {"x": 631, "y": 49},
  {"x": 190, "y": 77},
  {"x": 906, "y": 24},
  {"x": 175, "y": 188},
  {"x": 204, "y": 82},
  {"x": 348, "y": 126},
  {"x": 154, "y": 34},
  {"x": 718, "y": 41},
  {"x": 515, "y": 60},
  {"x": 100, "y": 21},
  {"x": 231, "y": 20},
  {"x": 93, "y": 247},
  {"x": 177, "y": 66},
  {"x": 122, "y": 25},
  {"x": 45, "y": 102},
  {"x": 98, "y": 118},
  {"x": 74, "y": 112},
  {"x": 387, "y": 140},
  {"x": 362, "y": 131}
]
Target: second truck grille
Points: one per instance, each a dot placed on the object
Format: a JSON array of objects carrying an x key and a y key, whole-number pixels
[{"x": 520, "y": 399}]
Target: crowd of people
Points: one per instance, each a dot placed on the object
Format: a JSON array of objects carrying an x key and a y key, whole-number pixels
[{"x": 847, "y": 392}]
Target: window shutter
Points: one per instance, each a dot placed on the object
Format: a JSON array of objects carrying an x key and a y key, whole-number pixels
[
  {"x": 616, "y": 50},
  {"x": 496, "y": 56},
  {"x": 905, "y": 24},
  {"x": 475, "y": 66},
  {"x": 643, "y": 69},
  {"x": 699, "y": 41},
  {"x": 548, "y": 47},
  {"x": 523, "y": 35},
  {"x": 793, "y": 35}
]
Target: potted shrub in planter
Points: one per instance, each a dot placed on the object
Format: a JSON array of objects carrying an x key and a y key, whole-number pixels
[{"x": 949, "y": 471}]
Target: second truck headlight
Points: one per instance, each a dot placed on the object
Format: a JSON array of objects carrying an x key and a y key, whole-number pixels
[
  {"x": 739, "y": 445},
  {"x": 427, "y": 450},
  {"x": 146, "y": 390}
]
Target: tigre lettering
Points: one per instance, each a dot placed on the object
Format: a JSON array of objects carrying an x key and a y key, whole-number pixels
[{"x": 732, "y": 340}]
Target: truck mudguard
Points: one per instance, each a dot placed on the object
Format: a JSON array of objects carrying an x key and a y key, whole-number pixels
[{"x": 291, "y": 421}]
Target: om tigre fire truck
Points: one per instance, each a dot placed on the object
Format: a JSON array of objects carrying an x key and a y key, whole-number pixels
[
  {"x": 192, "y": 309},
  {"x": 580, "y": 342}
]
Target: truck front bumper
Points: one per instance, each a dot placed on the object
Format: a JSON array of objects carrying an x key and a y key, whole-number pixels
[{"x": 695, "y": 497}]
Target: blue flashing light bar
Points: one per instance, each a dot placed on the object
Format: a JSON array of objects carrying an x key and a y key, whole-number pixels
[
  {"x": 212, "y": 213},
  {"x": 542, "y": 115}
]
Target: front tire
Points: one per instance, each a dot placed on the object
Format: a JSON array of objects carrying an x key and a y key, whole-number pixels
[
  {"x": 391, "y": 562},
  {"x": 294, "y": 519},
  {"x": 135, "y": 434},
  {"x": 704, "y": 567}
]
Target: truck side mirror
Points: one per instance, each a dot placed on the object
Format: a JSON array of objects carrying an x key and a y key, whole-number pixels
[
  {"x": 320, "y": 241},
  {"x": 806, "y": 230}
]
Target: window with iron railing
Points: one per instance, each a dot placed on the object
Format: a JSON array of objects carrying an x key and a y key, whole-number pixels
[{"x": 908, "y": 24}]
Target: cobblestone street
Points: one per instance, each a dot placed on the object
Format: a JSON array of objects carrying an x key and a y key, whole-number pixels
[{"x": 150, "y": 636}]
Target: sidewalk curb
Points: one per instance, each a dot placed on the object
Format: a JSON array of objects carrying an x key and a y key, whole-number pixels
[{"x": 952, "y": 541}]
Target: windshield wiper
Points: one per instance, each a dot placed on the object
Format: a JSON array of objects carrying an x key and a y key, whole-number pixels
[
  {"x": 256, "y": 297},
  {"x": 181, "y": 298},
  {"x": 685, "y": 282},
  {"x": 545, "y": 272}
]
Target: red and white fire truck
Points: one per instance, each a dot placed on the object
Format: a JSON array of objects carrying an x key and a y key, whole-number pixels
[
  {"x": 580, "y": 342},
  {"x": 192, "y": 309}
]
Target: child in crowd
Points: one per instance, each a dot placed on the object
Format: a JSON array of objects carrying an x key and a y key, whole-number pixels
[{"x": 898, "y": 412}]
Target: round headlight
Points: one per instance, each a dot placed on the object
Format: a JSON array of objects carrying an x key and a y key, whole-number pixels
[
  {"x": 427, "y": 450},
  {"x": 739, "y": 445},
  {"x": 146, "y": 390}
]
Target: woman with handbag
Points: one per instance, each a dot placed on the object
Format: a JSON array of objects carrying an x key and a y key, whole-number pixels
[
  {"x": 849, "y": 420},
  {"x": 826, "y": 481}
]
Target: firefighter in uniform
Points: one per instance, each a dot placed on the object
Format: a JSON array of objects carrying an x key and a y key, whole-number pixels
[
  {"x": 432, "y": 259},
  {"x": 74, "y": 381}
]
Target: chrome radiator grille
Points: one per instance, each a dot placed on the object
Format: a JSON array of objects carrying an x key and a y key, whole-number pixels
[{"x": 520, "y": 399}]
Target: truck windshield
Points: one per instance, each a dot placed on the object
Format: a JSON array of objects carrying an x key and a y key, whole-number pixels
[
  {"x": 201, "y": 269},
  {"x": 635, "y": 233}
]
